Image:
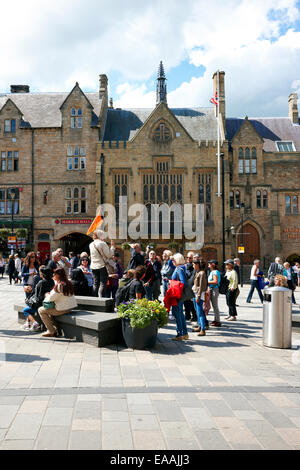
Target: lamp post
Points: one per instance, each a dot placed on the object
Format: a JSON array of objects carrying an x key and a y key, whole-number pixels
[
  {"x": 242, "y": 209},
  {"x": 12, "y": 195}
]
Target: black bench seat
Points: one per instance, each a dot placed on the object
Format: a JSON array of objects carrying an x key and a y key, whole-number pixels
[{"x": 96, "y": 324}]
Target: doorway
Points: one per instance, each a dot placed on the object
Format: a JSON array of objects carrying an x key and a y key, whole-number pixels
[
  {"x": 251, "y": 242},
  {"x": 76, "y": 242}
]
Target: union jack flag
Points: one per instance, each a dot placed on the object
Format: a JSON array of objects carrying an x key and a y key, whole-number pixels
[{"x": 215, "y": 99}]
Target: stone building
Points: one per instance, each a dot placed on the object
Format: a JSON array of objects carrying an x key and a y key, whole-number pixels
[{"x": 64, "y": 154}]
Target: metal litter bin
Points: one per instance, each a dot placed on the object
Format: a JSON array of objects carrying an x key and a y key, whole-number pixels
[{"x": 277, "y": 318}]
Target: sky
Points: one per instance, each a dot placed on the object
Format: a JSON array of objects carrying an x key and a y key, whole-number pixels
[{"x": 52, "y": 45}]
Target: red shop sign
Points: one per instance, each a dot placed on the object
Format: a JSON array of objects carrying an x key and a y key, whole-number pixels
[{"x": 76, "y": 221}]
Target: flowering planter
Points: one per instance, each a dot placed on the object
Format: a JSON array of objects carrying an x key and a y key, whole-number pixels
[{"x": 139, "y": 338}]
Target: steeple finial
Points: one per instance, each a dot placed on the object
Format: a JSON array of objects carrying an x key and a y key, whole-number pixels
[{"x": 161, "y": 87}]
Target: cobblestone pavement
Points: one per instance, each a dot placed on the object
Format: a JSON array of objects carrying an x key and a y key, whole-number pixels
[{"x": 221, "y": 391}]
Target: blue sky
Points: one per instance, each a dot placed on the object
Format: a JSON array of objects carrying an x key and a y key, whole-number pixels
[{"x": 256, "y": 43}]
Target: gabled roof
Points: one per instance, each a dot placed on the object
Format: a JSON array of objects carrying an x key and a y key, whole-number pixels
[
  {"x": 123, "y": 124},
  {"x": 43, "y": 109},
  {"x": 270, "y": 129}
]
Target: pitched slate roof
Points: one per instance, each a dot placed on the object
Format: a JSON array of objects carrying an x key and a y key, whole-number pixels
[
  {"x": 42, "y": 109},
  {"x": 123, "y": 124},
  {"x": 270, "y": 129}
]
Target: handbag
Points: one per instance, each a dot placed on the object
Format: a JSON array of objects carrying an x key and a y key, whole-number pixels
[
  {"x": 32, "y": 302},
  {"x": 110, "y": 265},
  {"x": 47, "y": 305}
]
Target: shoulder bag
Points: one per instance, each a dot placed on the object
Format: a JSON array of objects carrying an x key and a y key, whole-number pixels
[{"x": 109, "y": 263}]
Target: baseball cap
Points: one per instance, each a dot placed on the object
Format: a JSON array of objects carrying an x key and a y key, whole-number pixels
[{"x": 213, "y": 261}]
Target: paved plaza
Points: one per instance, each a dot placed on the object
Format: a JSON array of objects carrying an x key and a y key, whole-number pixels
[{"x": 221, "y": 391}]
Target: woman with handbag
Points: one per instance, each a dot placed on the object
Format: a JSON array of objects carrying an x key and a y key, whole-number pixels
[
  {"x": 102, "y": 263},
  {"x": 179, "y": 274},
  {"x": 59, "y": 301},
  {"x": 42, "y": 284},
  {"x": 200, "y": 288}
]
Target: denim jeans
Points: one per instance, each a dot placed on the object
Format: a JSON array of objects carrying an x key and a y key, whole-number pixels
[
  {"x": 149, "y": 295},
  {"x": 177, "y": 312},
  {"x": 255, "y": 285},
  {"x": 29, "y": 311},
  {"x": 165, "y": 284},
  {"x": 200, "y": 314}
]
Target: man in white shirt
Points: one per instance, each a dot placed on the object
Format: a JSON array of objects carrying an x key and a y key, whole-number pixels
[{"x": 254, "y": 281}]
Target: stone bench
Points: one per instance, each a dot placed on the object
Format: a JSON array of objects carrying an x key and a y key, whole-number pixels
[{"x": 96, "y": 324}]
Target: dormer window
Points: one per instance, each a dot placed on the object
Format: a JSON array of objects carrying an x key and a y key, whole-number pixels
[
  {"x": 76, "y": 118},
  {"x": 9, "y": 126},
  {"x": 285, "y": 146}
]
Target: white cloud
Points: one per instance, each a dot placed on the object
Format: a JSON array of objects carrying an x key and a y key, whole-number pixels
[{"x": 52, "y": 45}]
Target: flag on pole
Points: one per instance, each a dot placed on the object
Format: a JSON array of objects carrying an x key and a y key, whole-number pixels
[
  {"x": 215, "y": 99},
  {"x": 94, "y": 225}
]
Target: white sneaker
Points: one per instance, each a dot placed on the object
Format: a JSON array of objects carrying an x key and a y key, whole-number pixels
[
  {"x": 35, "y": 327},
  {"x": 26, "y": 326}
]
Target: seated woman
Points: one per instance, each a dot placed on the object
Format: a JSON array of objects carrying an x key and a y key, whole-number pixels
[
  {"x": 80, "y": 283},
  {"x": 62, "y": 295},
  {"x": 84, "y": 267},
  {"x": 137, "y": 289},
  {"x": 42, "y": 284}
]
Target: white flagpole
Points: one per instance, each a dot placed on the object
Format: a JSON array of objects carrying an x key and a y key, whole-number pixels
[{"x": 218, "y": 118}]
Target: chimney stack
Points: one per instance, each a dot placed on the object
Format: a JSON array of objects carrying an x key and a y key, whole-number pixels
[
  {"x": 19, "y": 88},
  {"x": 293, "y": 108},
  {"x": 103, "y": 86}
]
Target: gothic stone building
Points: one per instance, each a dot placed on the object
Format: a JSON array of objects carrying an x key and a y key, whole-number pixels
[{"x": 64, "y": 154}]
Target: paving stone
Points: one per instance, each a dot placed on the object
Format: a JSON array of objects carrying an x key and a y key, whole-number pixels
[
  {"x": 86, "y": 410},
  {"x": 178, "y": 430},
  {"x": 278, "y": 420},
  {"x": 198, "y": 418},
  {"x": 7, "y": 415},
  {"x": 211, "y": 440},
  {"x": 236, "y": 401},
  {"x": 17, "y": 445},
  {"x": 290, "y": 436},
  {"x": 58, "y": 417},
  {"x": 140, "y": 409},
  {"x": 149, "y": 440},
  {"x": 85, "y": 440},
  {"x": 144, "y": 422},
  {"x": 53, "y": 438},
  {"x": 62, "y": 401},
  {"x": 116, "y": 436},
  {"x": 138, "y": 398},
  {"x": 182, "y": 444},
  {"x": 168, "y": 411},
  {"x": 25, "y": 426},
  {"x": 115, "y": 416},
  {"x": 217, "y": 408},
  {"x": 248, "y": 415},
  {"x": 86, "y": 424},
  {"x": 114, "y": 405}
]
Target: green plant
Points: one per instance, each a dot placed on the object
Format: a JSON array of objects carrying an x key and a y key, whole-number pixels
[
  {"x": 173, "y": 246},
  {"x": 21, "y": 233},
  {"x": 4, "y": 233},
  {"x": 125, "y": 246},
  {"x": 142, "y": 312}
]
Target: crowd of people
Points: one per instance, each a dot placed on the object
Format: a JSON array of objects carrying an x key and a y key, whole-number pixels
[{"x": 50, "y": 287}]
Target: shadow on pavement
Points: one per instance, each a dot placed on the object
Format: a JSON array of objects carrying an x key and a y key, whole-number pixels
[{"x": 10, "y": 357}]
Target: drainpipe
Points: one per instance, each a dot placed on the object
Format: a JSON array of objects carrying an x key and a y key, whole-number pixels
[
  {"x": 102, "y": 179},
  {"x": 32, "y": 185}
]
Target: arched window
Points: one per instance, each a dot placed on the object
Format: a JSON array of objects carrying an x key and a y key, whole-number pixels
[
  {"x": 161, "y": 133},
  {"x": 237, "y": 199},
  {"x": 247, "y": 160},
  {"x": 258, "y": 199},
  {"x": 231, "y": 200},
  {"x": 253, "y": 161},
  {"x": 241, "y": 161},
  {"x": 291, "y": 204},
  {"x": 265, "y": 199},
  {"x": 76, "y": 193},
  {"x": 288, "y": 204},
  {"x": 295, "y": 204}
]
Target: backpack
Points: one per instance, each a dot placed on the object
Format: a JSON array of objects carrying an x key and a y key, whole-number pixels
[
  {"x": 122, "y": 294},
  {"x": 224, "y": 283}
]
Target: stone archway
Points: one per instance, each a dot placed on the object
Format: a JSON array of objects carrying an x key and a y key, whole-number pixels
[
  {"x": 76, "y": 242},
  {"x": 251, "y": 242},
  {"x": 292, "y": 259}
]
